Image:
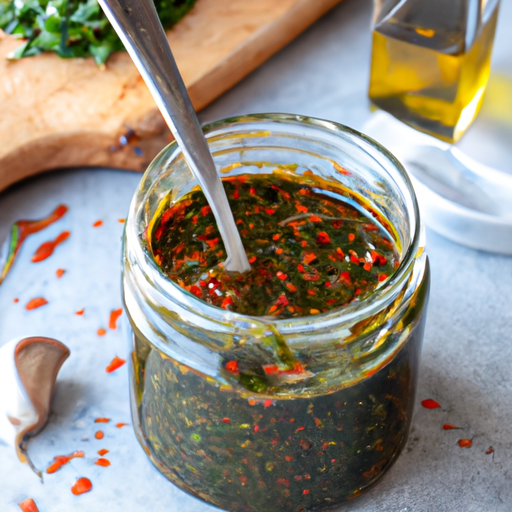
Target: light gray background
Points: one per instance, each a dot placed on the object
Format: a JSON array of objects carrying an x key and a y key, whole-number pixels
[{"x": 467, "y": 355}]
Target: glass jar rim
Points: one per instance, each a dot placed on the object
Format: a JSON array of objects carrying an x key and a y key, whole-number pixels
[{"x": 349, "y": 313}]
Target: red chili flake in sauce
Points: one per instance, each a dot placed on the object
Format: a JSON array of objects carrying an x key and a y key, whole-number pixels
[
  {"x": 430, "y": 404},
  {"x": 323, "y": 238},
  {"x": 449, "y": 426},
  {"x": 252, "y": 259},
  {"x": 101, "y": 332},
  {"x": 270, "y": 211},
  {"x": 81, "y": 486},
  {"x": 465, "y": 443},
  {"x": 102, "y": 452},
  {"x": 101, "y": 420},
  {"x": 232, "y": 366},
  {"x": 267, "y": 403},
  {"x": 36, "y": 303},
  {"x": 205, "y": 210},
  {"x": 28, "y": 505},
  {"x": 59, "y": 272},
  {"x": 46, "y": 250},
  {"x": 225, "y": 420},
  {"x": 99, "y": 434},
  {"x": 383, "y": 277},
  {"x": 226, "y": 302},
  {"x": 305, "y": 491},
  {"x": 116, "y": 363},
  {"x": 114, "y": 315},
  {"x": 102, "y": 462},
  {"x": 97, "y": 224},
  {"x": 351, "y": 237}
]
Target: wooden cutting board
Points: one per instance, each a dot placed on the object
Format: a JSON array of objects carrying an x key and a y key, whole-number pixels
[{"x": 65, "y": 113}]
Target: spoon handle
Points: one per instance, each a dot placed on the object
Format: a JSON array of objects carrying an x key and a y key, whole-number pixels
[{"x": 139, "y": 28}]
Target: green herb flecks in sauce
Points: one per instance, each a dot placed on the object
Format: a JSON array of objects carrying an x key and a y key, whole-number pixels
[{"x": 311, "y": 249}]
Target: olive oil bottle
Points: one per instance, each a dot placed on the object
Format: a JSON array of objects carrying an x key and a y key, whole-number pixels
[{"x": 431, "y": 61}]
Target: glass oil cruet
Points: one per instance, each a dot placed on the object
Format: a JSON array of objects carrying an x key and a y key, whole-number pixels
[{"x": 431, "y": 61}]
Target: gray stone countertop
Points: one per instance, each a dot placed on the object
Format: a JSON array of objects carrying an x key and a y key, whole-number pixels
[{"x": 467, "y": 355}]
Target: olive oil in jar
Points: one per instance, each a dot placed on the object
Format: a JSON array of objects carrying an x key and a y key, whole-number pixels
[{"x": 431, "y": 63}]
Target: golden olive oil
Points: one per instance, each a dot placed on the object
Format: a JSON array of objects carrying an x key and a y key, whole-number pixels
[{"x": 431, "y": 78}]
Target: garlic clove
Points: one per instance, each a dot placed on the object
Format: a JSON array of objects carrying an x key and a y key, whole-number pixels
[{"x": 28, "y": 371}]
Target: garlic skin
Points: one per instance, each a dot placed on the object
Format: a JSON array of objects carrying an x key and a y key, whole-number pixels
[{"x": 28, "y": 371}]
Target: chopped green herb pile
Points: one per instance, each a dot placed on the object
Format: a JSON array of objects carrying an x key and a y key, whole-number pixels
[
  {"x": 310, "y": 249},
  {"x": 72, "y": 28}
]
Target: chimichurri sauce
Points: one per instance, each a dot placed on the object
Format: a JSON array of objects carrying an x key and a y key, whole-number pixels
[
  {"x": 259, "y": 432},
  {"x": 311, "y": 249}
]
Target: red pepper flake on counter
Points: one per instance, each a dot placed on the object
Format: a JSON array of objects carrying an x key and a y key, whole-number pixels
[
  {"x": 81, "y": 486},
  {"x": 59, "y": 272},
  {"x": 21, "y": 229},
  {"x": 101, "y": 332},
  {"x": 465, "y": 443},
  {"x": 101, "y": 420},
  {"x": 102, "y": 452},
  {"x": 36, "y": 303},
  {"x": 99, "y": 434},
  {"x": 28, "y": 505},
  {"x": 121, "y": 221},
  {"x": 116, "y": 363},
  {"x": 102, "y": 462},
  {"x": 489, "y": 450},
  {"x": 80, "y": 312},
  {"x": 114, "y": 315},
  {"x": 97, "y": 224},
  {"x": 121, "y": 425},
  {"x": 62, "y": 460},
  {"x": 16, "y": 300},
  {"x": 430, "y": 404},
  {"x": 46, "y": 249},
  {"x": 449, "y": 426}
]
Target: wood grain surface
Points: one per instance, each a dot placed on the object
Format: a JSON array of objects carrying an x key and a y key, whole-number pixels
[{"x": 66, "y": 113}]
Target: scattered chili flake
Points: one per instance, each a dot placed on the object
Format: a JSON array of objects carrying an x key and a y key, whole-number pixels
[
  {"x": 205, "y": 210},
  {"x": 102, "y": 462},
  {"x": 62, "y": 460},
  {"x": 16, "y": 300},
  {"x": 121, "y": 221},
  {"x": 80, "y": 312},
  {"x": 28, "y": 505},
  {"x": 465, "y": 443},
  {"x": 449, "y": 426},
  {"x": 305, "y": 491},
  {"x": 291, "y": 287},
  {"x": 101, "y": 332},
  {"x": 46, "y": 249},
  {"x": 351, "y": 237},
  {"x": 99, "y": 434},
  {"x": 271, "y": 211},
  {"x": 430, "y": 404},
  {"x": 101, "y": 420},
  {"x": 97, "y": 224},
  {"x": 81, "y": 486},
  {"x": 382, "y": 277},
  {"x": 59, "y": 272},
  {"x": 308, "y": 257},
  {"x": 114, "y": 315},
  {"x": 121, "y": 425},
  {"x": 116, "y": 363},
  {"x": 314, "y": 311},
  {"x": 36, "y": 303},
  {"x": 252, "y": 259},
  {"x": 267, "y": 403},
  {"x": 225, "y": 420},
  {"x": 102, "y": 452},
  {"x": 489, "y": 450}
]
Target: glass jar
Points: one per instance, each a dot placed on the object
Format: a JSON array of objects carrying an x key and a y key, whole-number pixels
[
  {"x": 313, "y": 443},
  {"x": 431, "y": 61}
]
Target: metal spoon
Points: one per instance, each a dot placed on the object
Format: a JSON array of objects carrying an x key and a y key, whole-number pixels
[{"x": 137, "y": 24}]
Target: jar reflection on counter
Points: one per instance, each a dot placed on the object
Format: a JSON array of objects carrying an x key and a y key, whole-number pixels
[{"x": 308, "y": 444}]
